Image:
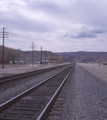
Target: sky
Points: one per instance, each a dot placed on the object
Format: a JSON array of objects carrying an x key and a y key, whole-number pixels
[{"x": 56, "y": 25}]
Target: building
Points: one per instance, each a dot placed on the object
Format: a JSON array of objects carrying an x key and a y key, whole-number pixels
[{"x": 55, "y": 59}]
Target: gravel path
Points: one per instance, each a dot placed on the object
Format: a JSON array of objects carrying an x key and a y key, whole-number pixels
[{"x": 84, "y": 97}]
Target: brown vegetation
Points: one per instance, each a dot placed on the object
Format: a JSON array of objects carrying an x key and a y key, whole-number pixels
[{"x": 10, "y": 54}]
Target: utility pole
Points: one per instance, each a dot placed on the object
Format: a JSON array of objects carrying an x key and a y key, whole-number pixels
[
  {"x": 32, "y": 53},
  {"x": 45, "y": 57},
  {"x": 53, "y": 58},
  {"x": 4, "y": 33},
  {"x": 41, "y": 54}
]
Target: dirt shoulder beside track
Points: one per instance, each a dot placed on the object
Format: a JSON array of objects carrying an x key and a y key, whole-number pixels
[{"x": 95, "y": 69}]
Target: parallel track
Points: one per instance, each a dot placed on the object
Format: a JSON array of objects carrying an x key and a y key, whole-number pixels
[
  {"x": 22, "y": 75},
  {"x": 42, "y": 96}
]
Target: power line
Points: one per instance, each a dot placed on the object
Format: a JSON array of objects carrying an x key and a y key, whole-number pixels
[{"x": 18, "y": 43}]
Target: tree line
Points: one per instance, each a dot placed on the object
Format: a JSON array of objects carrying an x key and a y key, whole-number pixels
[{"x": 10, "y": 54}]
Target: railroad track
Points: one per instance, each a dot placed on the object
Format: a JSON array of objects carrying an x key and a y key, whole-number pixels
[
  {"x": 22, "y": 75},
  {"x": 35, "y": 102}
]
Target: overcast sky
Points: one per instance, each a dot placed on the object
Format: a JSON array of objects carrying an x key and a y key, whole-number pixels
[{"x": 57, "y": 25}]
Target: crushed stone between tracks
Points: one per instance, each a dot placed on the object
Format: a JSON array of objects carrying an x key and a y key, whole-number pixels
[{"x": 84, "y": 97}]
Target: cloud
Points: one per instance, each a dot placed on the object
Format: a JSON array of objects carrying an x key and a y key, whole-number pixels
[
  {"x": 85, "y": 32},
  {"x": 100, "y": 30},
  {"x": 55, "y": 23}
]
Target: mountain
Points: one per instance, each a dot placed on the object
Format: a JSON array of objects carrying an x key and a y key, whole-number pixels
[
  {"x": 82, "y": 56},
  {"x": 11, "y": 54},
  {"x": 27, "y": 56}
]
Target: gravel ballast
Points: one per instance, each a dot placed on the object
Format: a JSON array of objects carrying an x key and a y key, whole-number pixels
[
  {"x": 13, "y": 88},
  {"x": 18, "y": 70},
  {"x": 84, "y": 97}
]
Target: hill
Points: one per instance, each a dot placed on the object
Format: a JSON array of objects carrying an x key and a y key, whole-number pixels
[
  {"x": 11, "y": 54},
  {"x": 82, "y": 56},
  {"x": 27, "y": 56}
]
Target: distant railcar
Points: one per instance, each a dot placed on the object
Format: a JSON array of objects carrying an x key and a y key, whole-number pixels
[
  {"x": 104, "y": 63},
  {"x": 45, "y": 62}
]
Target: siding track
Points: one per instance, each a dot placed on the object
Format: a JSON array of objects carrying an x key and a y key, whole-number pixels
[{"x": 27, "y": 74}]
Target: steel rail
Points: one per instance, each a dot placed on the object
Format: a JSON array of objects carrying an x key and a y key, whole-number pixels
[
  {"x": 47, "y": 108},
  {"x": 8, "y": 103},
  {"x": 17, "y": 76}
]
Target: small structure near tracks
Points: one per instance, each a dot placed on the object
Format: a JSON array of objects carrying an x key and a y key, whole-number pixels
[{"x": 104, "y": 63}]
